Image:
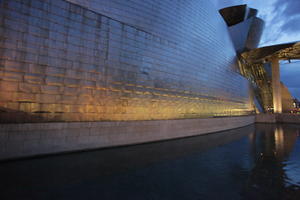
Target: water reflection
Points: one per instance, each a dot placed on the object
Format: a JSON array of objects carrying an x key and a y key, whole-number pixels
[
  {"x": 272, "y": 147},
  {"x": 259, "y": 162}
]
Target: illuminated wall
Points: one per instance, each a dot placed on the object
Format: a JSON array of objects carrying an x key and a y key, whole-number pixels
[
  {"x": 125, "y": 60},
  {"x": 287, "y": 99}
]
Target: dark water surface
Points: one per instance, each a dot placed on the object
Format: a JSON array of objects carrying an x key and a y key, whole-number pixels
[{"x": 254, "y": 162}]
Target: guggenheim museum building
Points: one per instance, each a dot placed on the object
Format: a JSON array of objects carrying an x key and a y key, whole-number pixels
[{"x": 109, "y": 66}]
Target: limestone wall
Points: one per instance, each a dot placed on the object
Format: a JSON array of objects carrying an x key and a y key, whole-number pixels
[
  {"x": 22, "y": 140},
  {"x": 278, "y": 118}
]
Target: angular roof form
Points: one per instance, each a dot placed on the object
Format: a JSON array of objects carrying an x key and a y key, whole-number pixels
[
  {"x": 237, "y": 14},
  {"x": 286, "y": 51},
  {"x": 244, "y": 27}
]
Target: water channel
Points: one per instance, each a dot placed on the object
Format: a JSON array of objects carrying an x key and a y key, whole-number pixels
[{"x": 255, "y": 162}]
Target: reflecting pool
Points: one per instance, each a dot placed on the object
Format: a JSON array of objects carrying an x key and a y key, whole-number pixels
[{"x": 254, "y": 162}]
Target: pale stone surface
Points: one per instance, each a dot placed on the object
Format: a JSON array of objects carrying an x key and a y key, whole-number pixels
[
  {"x": 22, "y": 140},
  {"x": 277, "y": 118},
  {"x": 265, "y": 118},
  {"x": 276, "y": 86},
  {"x": 288, "y": 118}
]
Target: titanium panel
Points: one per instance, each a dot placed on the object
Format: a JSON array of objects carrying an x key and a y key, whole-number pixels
[
  {"x": 246, "y": 35},
  {"x": 129, "y": 60}
]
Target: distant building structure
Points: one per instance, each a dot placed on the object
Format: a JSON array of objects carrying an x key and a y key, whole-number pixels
[
  {"x": 296, "y": 106},
  {"x": 296, "y": 103}
]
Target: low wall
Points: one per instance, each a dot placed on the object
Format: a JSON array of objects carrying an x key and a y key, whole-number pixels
[
  {"x": 278, "y": 118},
  {"x": 288, "y": 118},
  {"x": 265, "y": 118},
  {"x": 23, "y": 140}
]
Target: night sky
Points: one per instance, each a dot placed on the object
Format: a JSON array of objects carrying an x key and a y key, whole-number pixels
[{"x": 282, "y": 18}]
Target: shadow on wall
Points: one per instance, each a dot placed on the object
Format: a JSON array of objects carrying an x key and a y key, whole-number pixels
[{"x": 15, "y": 116}]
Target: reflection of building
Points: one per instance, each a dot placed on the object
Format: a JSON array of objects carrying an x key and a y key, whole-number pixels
[{"x": 272, "y": 148}]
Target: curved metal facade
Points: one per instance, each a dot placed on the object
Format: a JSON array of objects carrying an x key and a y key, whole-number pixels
[
  {"x": 117, "y": 60},
  {"x": 244, "y": 27}
]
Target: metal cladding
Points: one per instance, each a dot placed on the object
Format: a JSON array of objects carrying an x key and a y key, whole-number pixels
[
  {"x": 244, "y": 27},
  {"x": 107, "y": 60},
  {"x": 245, "y": 30}
]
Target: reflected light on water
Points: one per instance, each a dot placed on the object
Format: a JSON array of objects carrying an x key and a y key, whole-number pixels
[
  {"x": 279, "y": 141},
  {"x": 279, "y": 138}
]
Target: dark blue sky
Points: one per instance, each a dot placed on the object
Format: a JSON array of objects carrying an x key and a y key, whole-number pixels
[{"x": 282, "y": 18}]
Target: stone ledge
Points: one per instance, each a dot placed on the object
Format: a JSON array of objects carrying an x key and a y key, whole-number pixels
[
  {"x": 24, "y": 140},
  {"x": 265, "y": 118},
  {"x": 278, "y": 118}
]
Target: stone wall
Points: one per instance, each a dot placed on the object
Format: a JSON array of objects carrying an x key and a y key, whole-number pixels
[
  {"x": 288, "y": 118},
  {"x": 61, "y": 61},
  {"x": 23, "y": 140},
  {"x": 278, "y": 118},
  {"x": 265, "y": 118}
]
